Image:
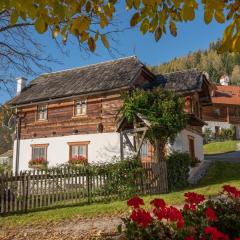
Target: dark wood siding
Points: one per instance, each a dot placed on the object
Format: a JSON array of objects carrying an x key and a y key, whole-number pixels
[{"x": 61, "y": 120}]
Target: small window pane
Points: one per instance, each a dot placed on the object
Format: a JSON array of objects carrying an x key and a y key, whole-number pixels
[
  {"x": 83, "y": 150},
  {"x": 39, "y": 152},
  {"x": 42, "y": 112},
  {"x": 80, "y": 108},
  {"x": 74, "y": 151}
]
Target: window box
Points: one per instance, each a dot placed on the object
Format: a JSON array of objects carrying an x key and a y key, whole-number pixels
[
  {"x": 38, "y": 163},
  {"x": 78, "y": 153},
  {"x": 39, "y": 156}
]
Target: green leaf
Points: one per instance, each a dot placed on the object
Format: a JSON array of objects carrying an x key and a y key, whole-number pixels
[
  {"x": 105, "y": 41},
  {"x": 158, "y": 33},
  {"x": 173, "y": 28},
  {"x": 208, "y": 15},
  {"x": 144, "y": 26},
  {"x": 135, "y": 19},
  {"x": 91, "y": 44},
  {"x": 40, "y": 25},
  {"x": 14, "y": 18}
]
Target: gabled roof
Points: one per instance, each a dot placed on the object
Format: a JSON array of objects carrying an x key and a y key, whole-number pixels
[
  {"x": 94, "y": 78},
  {"x": 182, "y": 81},
  {"x": 226, "y": 95}
]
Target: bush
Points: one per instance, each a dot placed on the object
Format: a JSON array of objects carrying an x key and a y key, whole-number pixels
[
  {"x": 227, "y": 133},
  {"x": 178, "y": 170},
  {"x": 199, "y": 219},
  {"x": 207, "y": 135}
]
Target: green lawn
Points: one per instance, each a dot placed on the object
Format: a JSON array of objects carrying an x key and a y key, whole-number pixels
[
  {"x": 220, "y": 147},
  {"x": 218, "y": 175}
]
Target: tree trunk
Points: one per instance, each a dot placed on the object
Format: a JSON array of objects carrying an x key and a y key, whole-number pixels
[{"x": 159, "y": 152}]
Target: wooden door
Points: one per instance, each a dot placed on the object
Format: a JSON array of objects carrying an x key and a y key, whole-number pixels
[{"x": 192, "y": 148}]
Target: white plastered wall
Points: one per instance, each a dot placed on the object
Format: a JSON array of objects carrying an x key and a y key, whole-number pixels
[
  {"x": 181, "y": 143},
  {"x": 103, "y": 147}
]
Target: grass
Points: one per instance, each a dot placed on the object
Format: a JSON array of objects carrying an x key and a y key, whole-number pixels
[
  {"x": 218, "y": 175},
  {"x": 220, "y": 147}
]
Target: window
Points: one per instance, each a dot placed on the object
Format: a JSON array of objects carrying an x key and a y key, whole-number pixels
[
  {"x": 77, "y": 150},
  {"x": 144, "y": 150},
  {"x": 217, "y": 112},
  {"x": 39, "y": 152},
  {"x": 42, "y": 112},
  {"x": 80, "y": 107}
]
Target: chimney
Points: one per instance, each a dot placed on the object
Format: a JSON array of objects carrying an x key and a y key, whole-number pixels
[
  {"x": 21, "y": 83},
  {"x": 224, "y": 80}
]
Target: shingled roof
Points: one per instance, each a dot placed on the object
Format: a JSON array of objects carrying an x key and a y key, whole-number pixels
[
  {"x": 182, "y": 81},
  {"x": 104, "y": 76}
]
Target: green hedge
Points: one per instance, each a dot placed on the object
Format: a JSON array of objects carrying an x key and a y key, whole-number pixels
[{"x": 178, "y": 170}]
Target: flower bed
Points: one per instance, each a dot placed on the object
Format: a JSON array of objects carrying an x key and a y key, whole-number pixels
[
  {"x": 78, "y": 161},
  {"x": 38, "y": 163},
  {"x": 199, "y": 219}
]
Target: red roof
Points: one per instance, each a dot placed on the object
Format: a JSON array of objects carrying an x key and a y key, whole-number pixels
[{"x": 227, "y": 95}]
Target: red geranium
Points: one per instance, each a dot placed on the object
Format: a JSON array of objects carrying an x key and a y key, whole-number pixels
[
  {"x": 141, "y": 217},
  {"x": 211, "y": 215},
  {"x": 215, "y": 234},
  {"x": 194, "y": 198},
  {"x": 231, "y": 191},
  {"x": 158, "y": 203},
  {"x": 189, "y": 238},
  {"x": 135, "y": 202}
]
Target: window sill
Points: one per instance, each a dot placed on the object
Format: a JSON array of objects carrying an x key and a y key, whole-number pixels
[
  {"x": 80, "y": 116},
  {"x": 41, "y": 121}
]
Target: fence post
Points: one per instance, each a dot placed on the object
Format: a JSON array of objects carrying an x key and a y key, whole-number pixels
[
  {"x": 25, "y": 184},
  {"x": 88, "y": 186}
]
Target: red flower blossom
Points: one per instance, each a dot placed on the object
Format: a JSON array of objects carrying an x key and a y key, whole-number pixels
[
  {"x": 189, "y": 238},
  {"x": 215, "y": 234},
  {"x": 237, "y": 238},
  {"x": 135, "y": 202},
  {"x": 231, "y": 191},
  {"x": 211, "y": 215},
  {"x": 190, "y": 207},
  {"x": 141, "y": 217},
  {"x": 171, "y": 214},
  {"x": 158, "y": 203},
  {"x": 193, "y": 198}
]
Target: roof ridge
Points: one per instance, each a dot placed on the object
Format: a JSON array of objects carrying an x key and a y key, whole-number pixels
[
  {"x": 180, "y": 71},
  {"x": 92, "y": 65}
]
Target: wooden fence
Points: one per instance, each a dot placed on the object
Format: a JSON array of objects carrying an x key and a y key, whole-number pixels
[{"x": 68, "y": 186}]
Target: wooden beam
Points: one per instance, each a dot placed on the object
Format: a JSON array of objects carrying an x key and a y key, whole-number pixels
[
  {"x": 129, "y": 142},
  {"x": 121, "y": 146}
]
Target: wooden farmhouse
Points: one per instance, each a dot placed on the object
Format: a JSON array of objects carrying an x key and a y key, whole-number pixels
[
  {"x": 74, "y": 113},
  {"x": 225, "y": 111}
]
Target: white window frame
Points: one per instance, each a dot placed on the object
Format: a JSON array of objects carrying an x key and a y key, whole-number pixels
[
  {"x": 42, "y": 112},
  {"x": 44, "y": 146},
  {"x": 80, "y": 104}
]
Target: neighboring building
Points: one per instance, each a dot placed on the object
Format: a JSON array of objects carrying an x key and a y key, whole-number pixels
[
  {"x": 74, "y": 112},
  {"x": 225, "y": 111}
]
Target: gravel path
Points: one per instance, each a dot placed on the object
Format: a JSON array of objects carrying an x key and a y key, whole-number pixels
[{"x": 75, "y": 229}]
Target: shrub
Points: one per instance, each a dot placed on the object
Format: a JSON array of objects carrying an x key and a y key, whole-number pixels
[
  {"x": 227, "y": 133},
  {"x": 178, "y": 170},
  {"x": 207, "y": 135},
  {"x": 199, "y": 219}
]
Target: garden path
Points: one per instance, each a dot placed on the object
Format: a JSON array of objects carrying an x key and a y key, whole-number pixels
[{"x": 74, "y": 229}]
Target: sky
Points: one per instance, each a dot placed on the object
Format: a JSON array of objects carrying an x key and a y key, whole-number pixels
[{"x": 191, "y": 37}]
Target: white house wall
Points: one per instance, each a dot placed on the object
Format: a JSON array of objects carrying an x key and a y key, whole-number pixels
[
  {"x": 181, "y": 143},
  {"x": 102, "y": 148},
  {"x": 213, "y": 124}
]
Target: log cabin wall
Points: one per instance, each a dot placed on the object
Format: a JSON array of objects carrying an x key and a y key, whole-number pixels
[{"x": 61, "y": 121}]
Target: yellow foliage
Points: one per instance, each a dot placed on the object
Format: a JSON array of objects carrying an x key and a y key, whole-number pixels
[{"x": 81, "y": 18}]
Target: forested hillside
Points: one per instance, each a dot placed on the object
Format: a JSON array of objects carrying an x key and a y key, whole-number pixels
[{"x": 210, "y": 61}]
